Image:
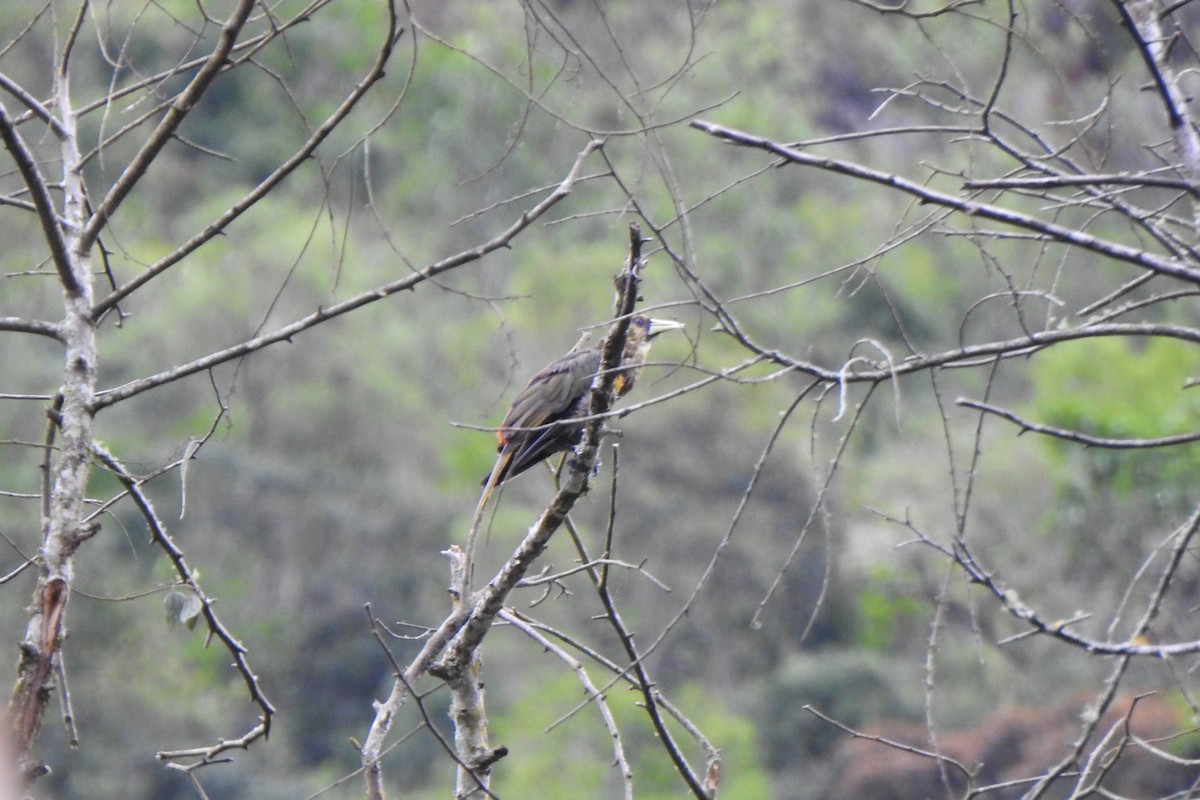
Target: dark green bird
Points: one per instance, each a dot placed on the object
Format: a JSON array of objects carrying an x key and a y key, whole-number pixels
[{"x": 532, "y": 432}]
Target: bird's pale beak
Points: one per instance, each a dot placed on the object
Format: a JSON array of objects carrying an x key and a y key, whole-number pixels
[{"x": 658, "y": 326}]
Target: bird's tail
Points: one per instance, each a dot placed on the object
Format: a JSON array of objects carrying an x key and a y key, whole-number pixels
[{"x": 493, "y": 479}]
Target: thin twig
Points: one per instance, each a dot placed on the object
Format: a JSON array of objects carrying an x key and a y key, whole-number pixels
[
  {"x": 1076, "y": 436},
  {"x": 236, "y": 649}
]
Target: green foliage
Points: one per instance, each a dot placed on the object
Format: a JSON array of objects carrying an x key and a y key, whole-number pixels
[
  {"x": 1121, "y": 389},
  {"x": 886, "y": 611},
  {"x": 1187, "y": 745},
  {"x": 467, "y": 458}
]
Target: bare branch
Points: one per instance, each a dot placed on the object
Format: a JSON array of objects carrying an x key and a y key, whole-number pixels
[
  {"x": 34, "y": 326},
  {"x": 183, "y": 103},
  {"x": 33, "y": 104},
  {"x": 111, "y": 396},
  {"x": 465, "y": 769},
  {"x": 934, "y": 756},
  {"x": 1144, "y": 25},
  {"x": 39, "y": 191},
  {"x": 1138, "y": 179},
  {"x": 1052, "y": 231},
  {"x": 1135, "y": 645},
  {"x": 373, "y": 75},
  {"x": 1076, "y": 436},
  {"x": 236, "y": 649},
  {"x": 213, "y": 754},
  {"x": 638, "y": 667}
]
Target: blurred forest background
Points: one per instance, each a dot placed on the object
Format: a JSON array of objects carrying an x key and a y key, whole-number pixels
[{"x": 792, "y": 524}]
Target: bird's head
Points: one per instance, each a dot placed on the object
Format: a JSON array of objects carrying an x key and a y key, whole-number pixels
[{"x": 637, "y": 346}]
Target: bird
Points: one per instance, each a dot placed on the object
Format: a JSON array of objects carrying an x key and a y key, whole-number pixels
[{"x": 532, "y": 430}]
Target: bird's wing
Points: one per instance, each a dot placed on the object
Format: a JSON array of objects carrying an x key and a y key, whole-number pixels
[
  {"x": 540, "y": 445},
  {"x": 550, "y": 394}
]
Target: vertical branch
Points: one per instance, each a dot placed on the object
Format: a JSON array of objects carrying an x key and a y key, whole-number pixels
[
  {"x": 472, "y": 752},
  {"x": 610, "y": 358},
  {"x": 64, "y": 526},
  {"x": 386, "y": 711},
  {"x": 475, "y": 755}
]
